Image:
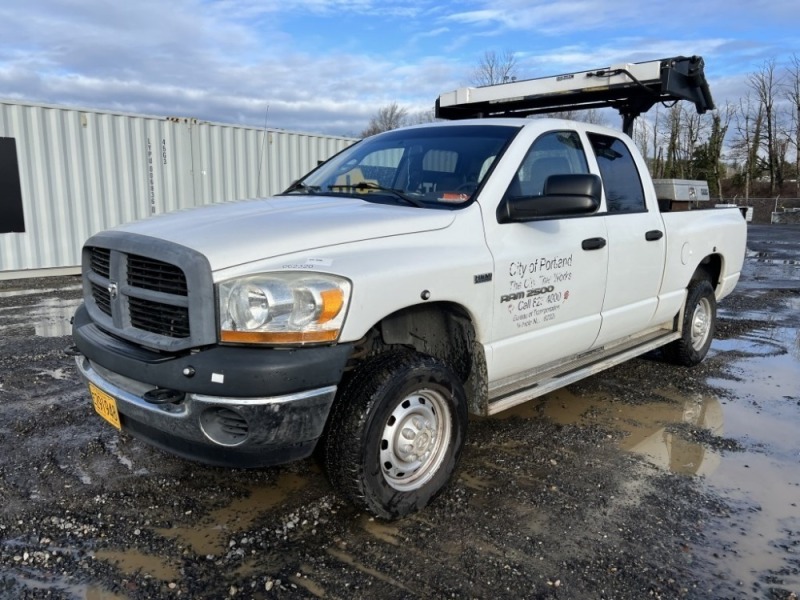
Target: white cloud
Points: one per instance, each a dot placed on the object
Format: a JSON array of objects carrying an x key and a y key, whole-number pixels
[{"x": 327, "y": 65}]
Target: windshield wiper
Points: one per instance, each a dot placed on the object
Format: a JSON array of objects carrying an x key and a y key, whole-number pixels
[
  {"x": 299, "y": 186},
  {"x": 369, "y": 185}
]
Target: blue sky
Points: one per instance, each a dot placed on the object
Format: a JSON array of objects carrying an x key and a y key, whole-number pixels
[{"x": 326, "y": 66}]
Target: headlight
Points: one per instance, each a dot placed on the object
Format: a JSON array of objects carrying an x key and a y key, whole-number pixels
[{"x": 283, "y": 308}]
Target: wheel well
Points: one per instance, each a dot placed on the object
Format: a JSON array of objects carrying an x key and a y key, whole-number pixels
[
  {"x": 443, "y": 330},
  {"x": 711, "y": 268}
]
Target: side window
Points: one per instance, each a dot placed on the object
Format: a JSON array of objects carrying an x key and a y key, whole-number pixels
[
  {"x": 621, "y": 180},
  {"x": 554, "y": 153}
]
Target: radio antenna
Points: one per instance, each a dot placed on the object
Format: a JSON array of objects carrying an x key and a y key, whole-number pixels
[{"x": 261, "y": 153}]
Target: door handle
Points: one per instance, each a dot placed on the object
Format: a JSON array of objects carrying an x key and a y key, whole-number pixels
[
  {"x": 593, "y": 243},
  {"x": 652, "y": 236}
]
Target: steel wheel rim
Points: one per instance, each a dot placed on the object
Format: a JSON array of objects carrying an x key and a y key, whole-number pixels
[
  {"x": 415, "y": 440},
  {"x": 701, "y": 323}
]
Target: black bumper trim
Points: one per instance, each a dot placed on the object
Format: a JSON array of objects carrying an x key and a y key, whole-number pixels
[
  {"x": 219, "y": 456},
  {"x": 245, "y": 372}
]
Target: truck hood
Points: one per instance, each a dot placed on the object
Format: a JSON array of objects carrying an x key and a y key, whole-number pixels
[{"x": 236, "y": 233}]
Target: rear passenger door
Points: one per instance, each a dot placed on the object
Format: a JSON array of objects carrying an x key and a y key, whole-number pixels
[{"x": 636, "y": 241}]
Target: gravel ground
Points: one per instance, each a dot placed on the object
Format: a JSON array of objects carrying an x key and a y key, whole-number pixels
[{"x": 646, "y": 481}]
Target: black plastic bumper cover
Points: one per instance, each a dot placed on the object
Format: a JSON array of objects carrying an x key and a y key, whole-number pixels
[{"x": 231, "y": 371}]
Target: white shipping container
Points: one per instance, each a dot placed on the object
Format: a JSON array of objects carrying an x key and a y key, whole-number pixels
[{"x": 67, "y": 173}]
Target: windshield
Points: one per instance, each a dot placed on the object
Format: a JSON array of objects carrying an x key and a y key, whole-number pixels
[{"x": 429, "y": 166}]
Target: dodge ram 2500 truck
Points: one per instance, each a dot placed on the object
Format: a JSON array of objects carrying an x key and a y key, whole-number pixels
[{"x": 420, "y": 275}]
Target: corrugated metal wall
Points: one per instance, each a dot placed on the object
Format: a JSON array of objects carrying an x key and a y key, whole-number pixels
[{"x": 82, "y": 171}]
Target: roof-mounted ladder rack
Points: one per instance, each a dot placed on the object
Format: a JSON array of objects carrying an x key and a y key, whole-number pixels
[{"x": 632, "y": 89}]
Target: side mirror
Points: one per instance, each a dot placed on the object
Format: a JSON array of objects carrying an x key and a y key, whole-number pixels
[{"x": 564, "y": 196}]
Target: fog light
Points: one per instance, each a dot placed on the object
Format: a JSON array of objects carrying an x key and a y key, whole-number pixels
[{"x": 224, "y": 426}]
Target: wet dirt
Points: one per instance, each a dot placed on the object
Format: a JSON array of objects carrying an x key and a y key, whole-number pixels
[{"x": 645, "y": 481}]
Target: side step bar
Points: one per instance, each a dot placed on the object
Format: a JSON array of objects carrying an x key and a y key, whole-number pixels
[{"x": 506, "y": 394}]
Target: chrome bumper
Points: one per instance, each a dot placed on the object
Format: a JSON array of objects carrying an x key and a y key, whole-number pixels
[{"x": 219, "y": 430}]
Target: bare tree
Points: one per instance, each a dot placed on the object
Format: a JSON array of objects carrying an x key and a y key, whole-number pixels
[
  {"x": 719, "y": 130},
  {"x": 641, "y": 136},
  {"x": 748, "y": 121},
  {"x": 765, "y": 83},
  {"x": 672, "y": 166},
  {"x": 694, "y": 130},
  {"x": 657, "y": 165},
  {"x": 683, "y": 130},
  {"x": 494, "y": 68},
  {"x": 792, "y": 89},
  {"x": 707, "y": 156},
  {"x": 422, "y": 116},
  {"x": 386, "y": 118},
  {"x": 591, "y": 115},
  {"x": 646, "y": 138}
]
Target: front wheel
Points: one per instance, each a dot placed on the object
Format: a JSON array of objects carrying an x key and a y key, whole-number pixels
[
  {"x": 699, "y": 325},
  {"x": 396, "y": 434}
]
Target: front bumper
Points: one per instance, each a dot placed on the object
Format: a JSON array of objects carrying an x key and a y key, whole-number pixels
[{"x": 240, "y": 407}]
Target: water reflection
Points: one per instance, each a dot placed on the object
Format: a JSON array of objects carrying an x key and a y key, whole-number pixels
[
  {"x": 131, "y": 561},
  {"x": 653, "y": 430},
  {"x": 52, "y": 317},
  {"x": 674, "y": 451},
  {"x": 35, "y": 291}
]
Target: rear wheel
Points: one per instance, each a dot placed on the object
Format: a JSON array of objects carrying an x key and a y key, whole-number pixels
[
  {"x": 396, "y": 434},
  {"x": 699, "y": 325}
]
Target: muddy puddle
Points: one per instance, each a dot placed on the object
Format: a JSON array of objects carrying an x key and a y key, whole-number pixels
[
  {"x": 217, "y": 532},
  {"x": 742, "y": 439},
  {"x": 84, "y": 592},
  {"x": 47, "y": 318},
  {"x": 131, "y": 562},
  {"x": 766, "y": 270},
  {"x": 762, "y": 484},
  {"x": 646, "y": 429}
]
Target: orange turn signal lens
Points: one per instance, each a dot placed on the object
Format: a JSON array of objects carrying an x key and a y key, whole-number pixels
[
  {"x": 278, "y": 337},
  {"x": 332, "y": 302}
]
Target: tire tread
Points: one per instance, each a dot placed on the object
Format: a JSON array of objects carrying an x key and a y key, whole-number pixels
[
  {"x": 343, "y": 454},
  {"x": 681, "y": 352}
]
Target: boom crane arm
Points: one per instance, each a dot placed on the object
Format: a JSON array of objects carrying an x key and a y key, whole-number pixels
[{"x": 632, "y": 89}]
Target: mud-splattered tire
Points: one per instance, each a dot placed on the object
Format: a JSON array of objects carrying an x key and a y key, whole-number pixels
[
  {"x": 699, "y": 325},
  {"x": 396, "y": 434}
]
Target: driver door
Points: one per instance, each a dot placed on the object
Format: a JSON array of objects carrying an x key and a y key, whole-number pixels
[{"x": 550, "y": 274}]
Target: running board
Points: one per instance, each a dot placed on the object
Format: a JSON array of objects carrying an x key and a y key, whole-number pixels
[{"x": 507, "y": 393}]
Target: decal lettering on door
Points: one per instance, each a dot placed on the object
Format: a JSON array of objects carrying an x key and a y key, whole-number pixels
[{"x": 537, "y": 289}]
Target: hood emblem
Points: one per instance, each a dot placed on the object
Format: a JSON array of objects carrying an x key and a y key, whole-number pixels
[{"x": 113, "y": 290}]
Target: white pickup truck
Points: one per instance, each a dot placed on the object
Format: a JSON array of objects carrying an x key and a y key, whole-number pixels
[{"x": 418, "y": 276}]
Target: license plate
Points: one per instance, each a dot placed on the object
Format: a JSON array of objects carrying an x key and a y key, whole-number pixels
[{"x": 105, "y": 406}]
